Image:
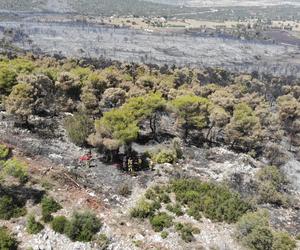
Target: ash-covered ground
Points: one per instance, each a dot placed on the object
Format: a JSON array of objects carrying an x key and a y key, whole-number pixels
[{"x": 80, "y": 39}]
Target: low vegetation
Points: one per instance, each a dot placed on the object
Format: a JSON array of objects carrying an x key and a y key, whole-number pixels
[
  {"x": 7, "y": 240},
  {"x": 186, "y": 231},
  {"x": 201, "y": 199},
  {"x": 194, "y": 198},
  {"x": 16, "y": 168},
  {"x": 102, "y": 241},
  {"x": 160, "y": 221},
  {"x": 254, "y": 231},
  {"x": 144, "y": 209},
  {"x": 78, "y": 128},
  {"x": 125, "y": 190},
  {"x": 158, "y": 194},
  {"x": 58, "y": 224},
  {"x": 10, "y": 207},
  {"x": 165, "y": 156},
  {"x": 4, "y": 152},
  {"x": 164, "y": 234},
  {"x": 81, "y": 226},
  {"x": 33, "y": 226},
  {"x": 176, "y": 209},
  {"x": 214, "y": 201},
  {"x": 49, "y": 206},
  {"x": 271, "y": 184}
]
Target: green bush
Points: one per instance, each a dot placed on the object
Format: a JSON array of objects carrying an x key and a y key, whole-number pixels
[
  {"x": 176, "y": 209},
  {"x": 49, "y": 206},
  {"x": 10, "y": 208},
  {"x": 154, "y": 192},
  {"x": 78, "y": 128},
  {"x": 251, "y": 220},
  {"x": 176, "y": 143},
  {"x": 82, "y": 227},
  {"x": 194, "y": 212},
  {"x": 33, "y": 226},
  {"x": 217, "y": 202},
  {"x": 186, "y": 231},
  {"x": 7, "y": 78},
  {"x": 58, "y": 224},
  {"x": 283, "y": 241},
  {"x": 4, "y": 152},
  {"x": 254, "y": 231},
  {"x": 164, "y": 234},
  {"x": 260, "y": 238},
  {"x": 272, "y": 174},
  {"x": 164, "y": 198},
  {"x": 7, "y": 241},
  {"x": 17, "y": 169},
  {"x": 47, "y": 217},
  {"x": 165, "y": 156},
  {"x": 268, "y": 193},
  {"x": 161, "y": 221},
  {"x": 270, "y": 185},
  {"x": 151, "y": 194},
  {"x": 158, "y": 194},
  {"x": 144, "y": 209}
]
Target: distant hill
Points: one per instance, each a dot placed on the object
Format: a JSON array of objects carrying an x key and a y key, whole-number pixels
[
  {"x": 22, "y": 5},
  {"x": 218, "y": 3},
  {"x": 123, "y": 7},
  {"x": 97, "y": 7},
  {"x": 233, "y": 10}
]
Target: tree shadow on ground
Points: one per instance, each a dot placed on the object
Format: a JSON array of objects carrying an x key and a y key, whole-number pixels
[{"x": 22, "y": 194}]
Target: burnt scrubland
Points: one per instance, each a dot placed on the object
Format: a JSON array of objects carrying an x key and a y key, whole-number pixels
[
  {"x": 75, "y": 37},
  {"x": 182, "y": 158}
]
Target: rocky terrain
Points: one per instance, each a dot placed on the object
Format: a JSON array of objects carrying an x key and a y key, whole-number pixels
[{"x": 98, "y": 188}]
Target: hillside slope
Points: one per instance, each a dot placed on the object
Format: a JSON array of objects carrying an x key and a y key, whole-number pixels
[
  {"x": 98, "y": 7},
  {"x": 209, "y": 3}
]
